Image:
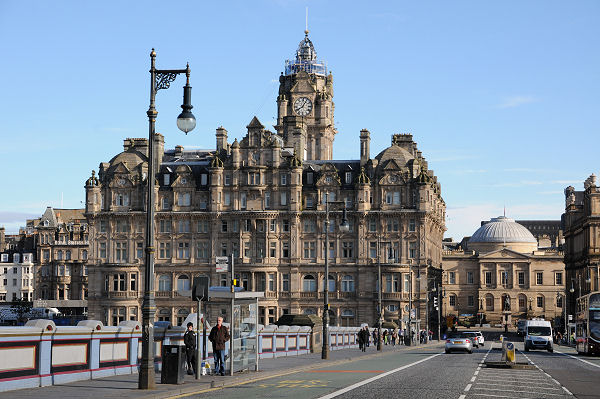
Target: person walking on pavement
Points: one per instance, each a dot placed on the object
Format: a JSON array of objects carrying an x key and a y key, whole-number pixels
[
  {"x": 361, "y": 339},
  {"x": 218, "y": 336},
  {"x": 189, "y": 339}
]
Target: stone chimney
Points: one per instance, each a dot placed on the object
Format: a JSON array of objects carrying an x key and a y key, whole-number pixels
[
  {"x": 221, "y": 139},
  {"x": 365, "y": 146},
  {"x": 158, "y": 148}
]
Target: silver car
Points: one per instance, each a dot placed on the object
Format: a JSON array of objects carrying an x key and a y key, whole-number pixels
[{"x": 459, "y": 342}]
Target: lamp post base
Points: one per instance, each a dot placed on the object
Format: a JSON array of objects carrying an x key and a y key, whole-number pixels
[{"x": 147, "y": 379}]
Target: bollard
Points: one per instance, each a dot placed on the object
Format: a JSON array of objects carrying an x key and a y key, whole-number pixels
[{"x": 510, "y": 352}]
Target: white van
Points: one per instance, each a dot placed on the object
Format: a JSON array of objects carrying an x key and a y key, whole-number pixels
[{"x": 538, "y": 335}]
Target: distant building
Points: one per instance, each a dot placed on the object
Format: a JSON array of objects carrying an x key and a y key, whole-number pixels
[
  {"x": 16, "y": 276},
  {"x": 500, "y": 273},
  {"x": 582, "y": 239},
  {"x": 548, "y": 233},
  {"x": 61, "y": 246}
]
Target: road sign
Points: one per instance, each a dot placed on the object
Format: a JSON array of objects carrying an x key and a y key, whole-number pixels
[
  {"x": 413, "y": 313},
  {"x": 222, "y": 264}
]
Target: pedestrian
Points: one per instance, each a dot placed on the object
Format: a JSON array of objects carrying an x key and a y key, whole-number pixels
[
  {"x": 189, "y": 339},
  {"x": 365, "y": 337},
  {"x": 385, "y": 337},
  {"x": 361, "y": 339},
  {"x": 394, "y": 337},
  {"x": 218, "y": 336},
  {"x": 401, "y": 336}
]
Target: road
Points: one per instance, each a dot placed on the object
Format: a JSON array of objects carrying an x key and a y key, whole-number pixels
[{"x": 427, "y": 372}]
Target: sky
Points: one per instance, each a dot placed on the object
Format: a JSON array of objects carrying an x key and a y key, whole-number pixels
[{"x": 501, "y": 97}]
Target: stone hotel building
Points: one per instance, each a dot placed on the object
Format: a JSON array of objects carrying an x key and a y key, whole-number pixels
[{"x": 261, "y": 199}]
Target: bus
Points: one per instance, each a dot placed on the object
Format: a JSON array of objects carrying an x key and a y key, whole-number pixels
[{"x": 587, "y": 324}]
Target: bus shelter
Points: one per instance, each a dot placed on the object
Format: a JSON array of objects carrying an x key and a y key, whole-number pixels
[{"x": 243, "y": 328}]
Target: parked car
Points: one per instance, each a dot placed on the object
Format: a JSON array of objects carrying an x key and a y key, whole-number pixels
[{"x": 459, "y": 342}]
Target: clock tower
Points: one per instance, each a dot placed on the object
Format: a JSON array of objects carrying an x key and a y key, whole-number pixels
[{"x": 305, "y": 104}]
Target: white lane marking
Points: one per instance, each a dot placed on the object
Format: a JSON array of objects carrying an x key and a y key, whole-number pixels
[
  {"x": 495, "y": 396},
  {"x": 476, "y": 372},
  {"x": 547, "y": 386},
  {"x": 552, "y": 378},
  {"x": 468, "y": 387},
  {"x": 515, "y": 390},
  {"x": 462, "y": 397},
  {"x": 473, "y": 378},
  {"x": 581, "y": 360},
  {"x": 369, "y": 380},
  {"x": 567, "y": 391}
]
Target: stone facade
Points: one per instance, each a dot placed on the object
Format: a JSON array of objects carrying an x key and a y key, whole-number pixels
[
  {"x": 582, "y": 239},
  {"x": 479, "y": 277},
  {"x": 16, "y": 276},
  {"x": 261, "y": 199}
]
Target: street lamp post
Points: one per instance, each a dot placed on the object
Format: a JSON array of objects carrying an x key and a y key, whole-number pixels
[
  {"x": 159, "y": 79},
  {"x": 379, "y": 296},
  {"x": 344, "y": 227}
]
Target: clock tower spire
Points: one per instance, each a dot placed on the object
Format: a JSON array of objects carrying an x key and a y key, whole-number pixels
[{"x": 305, "y": 104}]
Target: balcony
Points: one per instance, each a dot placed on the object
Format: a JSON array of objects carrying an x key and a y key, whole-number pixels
[
  {"x": 307, "y": 295},
  {"x": 163, "y": 294},
  {"x": 270, "y": 294},
  {"x": 392, "y": 295},
  {"x": 122, "y": 294}
]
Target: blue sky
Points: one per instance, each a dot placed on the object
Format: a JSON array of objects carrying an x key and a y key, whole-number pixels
[{"x": 502, "y": 97}]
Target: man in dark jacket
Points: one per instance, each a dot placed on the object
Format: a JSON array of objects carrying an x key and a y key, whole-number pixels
[
  {"x": 218, "y": 336},
  {"x": 189, "y": 339}
]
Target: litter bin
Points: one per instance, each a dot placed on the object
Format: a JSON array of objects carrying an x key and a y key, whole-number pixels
[{"x": 173, "y": 364}]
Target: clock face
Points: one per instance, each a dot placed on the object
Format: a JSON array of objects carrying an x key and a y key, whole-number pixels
[{"x": 303, "y": 106}]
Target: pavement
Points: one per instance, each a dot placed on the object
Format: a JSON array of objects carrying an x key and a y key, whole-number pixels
[{"x": 125, "y": 386}]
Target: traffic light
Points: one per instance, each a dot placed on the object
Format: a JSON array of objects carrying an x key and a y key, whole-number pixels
[{"x": 435, "y": 303}]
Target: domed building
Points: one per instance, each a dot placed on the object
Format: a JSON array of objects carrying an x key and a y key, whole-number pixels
[{"x": 501, "y": 275}]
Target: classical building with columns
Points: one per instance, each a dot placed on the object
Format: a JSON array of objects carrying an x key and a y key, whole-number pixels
[
  {"x": 261, "y": 199},
  {"x": 582, "y": 240},
  {"x": 501, "y": 274}
]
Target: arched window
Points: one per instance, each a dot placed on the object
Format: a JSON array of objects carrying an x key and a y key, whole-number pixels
[
  {"x": 68, "y": 255},
  {"x": 183, "y": 283},
  {"x": 452, "y": 300},
  {"x": 60, "y": 255},
  {"x": 84, "y": 254},
  {"x": 164, "y": 315},
  {"x": 348, "y": 313},
  {"x": 309, "y": 284},
  {"x": 331, "y": 286},
  {"x": 164, "y": 283},
  {"x": 348, "y": 284},
  {"x": 489, "y": 302},
  {"x": 182, "y": 314}
]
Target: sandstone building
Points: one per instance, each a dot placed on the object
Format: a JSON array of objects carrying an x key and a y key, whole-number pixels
[
  {"x": 582, "y": 239},
  {"x": 261, "y": 199},
  {"x": 500, "y": 274}
]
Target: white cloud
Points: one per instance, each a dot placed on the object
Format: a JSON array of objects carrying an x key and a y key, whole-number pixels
[{"x": 515, "y": 101}]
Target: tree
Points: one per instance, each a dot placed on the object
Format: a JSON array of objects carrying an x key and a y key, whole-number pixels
[{"x": 22, "y": 308}]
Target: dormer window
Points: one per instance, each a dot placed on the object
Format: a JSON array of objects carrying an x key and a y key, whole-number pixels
[
  {"x": 203, "y": 179},
  {"x": 46, "y": 223},
  {"x": 121, "y": 200},
  {"x": 166, "y": 179},
  {"x": 283, "y": 179},
  {"x": 348, "y": 177},
  {"x": 184, "y": 199}
]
